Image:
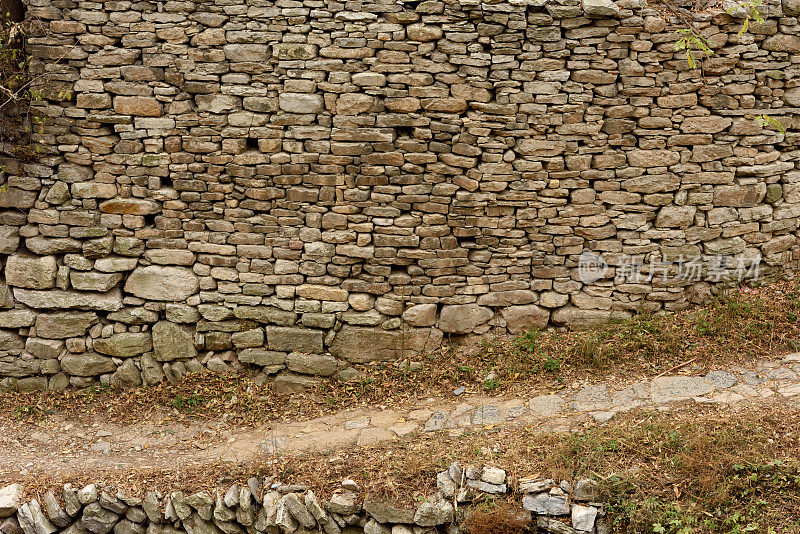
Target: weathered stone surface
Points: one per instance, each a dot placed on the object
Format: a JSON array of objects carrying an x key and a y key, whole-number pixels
[
  {"x": 94, "y": 281},
  {"x": 357, "y": 344},
  {"x": 172, "y": 341},
  {"x": 65, "y": 324},
  {"x": 344, "y": 502},
  {"x": 421, "y": 315},
  {"x": 9, "y": 239},
  {"x": 130, "y": 206},
  {"x": 311, "y": 364},
  {"x": 11, "y": 341},
  {"x": 554, "y": 502},
  {"x": 583, "y": 518},
  {"x": 17, "y": 318},
  {"x": 127, "y": 375},
  {"x": 124, "y": 345},
  {"x": 673, "y": 388},
  {"x": 433, "y": 513},
  {"x": 87, "y": 364},
  {"x": 97, "y": 519},
  {"x": 294, "y": 339},
  {"x": 34, "y": 272},
  {"x": 162, "y": 283},
  {"x": 600, "y": 8},
  {"x": 59, "y": 299},
  {"x": 33, "y": 520},
  {"x": 676, "y": 216},
  {"x": 462, "y": 319},
  {"x": 10, "y": 499},
  {"x": 300, "y": 103},
  {"x": 139, "y": 106},
  {"x": 266, "y": 358},
  {"x": 520, "y": 319},
  {"x": 383, "y": 512}
]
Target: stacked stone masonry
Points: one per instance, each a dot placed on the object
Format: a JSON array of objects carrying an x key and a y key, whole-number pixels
[
  {"x": 298, "y": 186},
  {"x": 264, "y": 506}
]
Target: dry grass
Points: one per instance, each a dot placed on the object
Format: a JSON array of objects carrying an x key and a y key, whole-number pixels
[
  {"x": 498, "y": 518},
  {"x": 744, "y": 325},
  {"x": 697, "y": 470}
]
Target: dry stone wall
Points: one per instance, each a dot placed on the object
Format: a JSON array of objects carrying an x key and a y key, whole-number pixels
[
  {"x": 267, "y": 506},
  {"x": 299, "y": 186}
]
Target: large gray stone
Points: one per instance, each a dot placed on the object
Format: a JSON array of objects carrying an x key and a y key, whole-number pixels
[
  {"x": 11, "y": 341},
  {"x": 433, "y": 513},
  {"x": 262, "y": 357},
  {"x": 266, "y": 314},
  {"x": 87, "y": 364},
  {"x": 583, "y": 518},
  {"x": 97, "y": 519},
  {"x": 127, "y": 375},
  {"x": 300, "y": 102},
  {"x": 18, "y": 318},
  {"x": 124, "y": 344},
  {"x": 600, "y": 8},
  {"x": 463, "y": 318},
  {"x": 34, "y": 272},
  {"x": 311, "y": 364},
  {"x": 46, "y": 349},
  {"x": 421, "y": 315},
  {"x": 383, "y": 512},
  {"x": 62, "y": 325},
  {"x": 172, "y": 341},
  {"x": 294, "y": 339},
  {"x": 520, "y": 319},
  {"x": 299, "y": 510},
  {"x": 361, "y": 345},
  {"x": 675, "y": 388},
  {"x": 165, "y": 283},
  {"x": 9, "y": 239},
  {"x": 54, "y": 511},
  {"x": 33, "y": 520},
  {"x": 94, "y": 281},
  {"x": 553, "y": 502},
  {"x": 152, "y": 371},
  {"x": 60, "y": 299},
  {"x": 344, "y": 502}
]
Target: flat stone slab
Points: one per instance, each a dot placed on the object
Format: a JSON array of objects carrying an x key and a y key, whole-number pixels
[
  {"x": 722, "y": 379},
  {"x": 676, "y": 388},
  {"x": 545, "y": 405},
  {"x": 486, "y": 415},
  {"x": 591, "y": 398}
]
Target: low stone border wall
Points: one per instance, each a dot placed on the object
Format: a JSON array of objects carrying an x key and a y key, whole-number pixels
[{"x": 274, "y": 508}]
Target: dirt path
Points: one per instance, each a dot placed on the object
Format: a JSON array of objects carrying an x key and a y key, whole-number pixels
[{"x": 62, "y": 449}]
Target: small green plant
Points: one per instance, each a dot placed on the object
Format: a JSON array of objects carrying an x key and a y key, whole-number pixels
[
  {"x": 767, "y": 121},
  {"x": 490, "y": 384},
  {"x": 750, "y": 7},
  {"x": 692, "y": 43},
  {"x": 187, "y": 403},
  {"x": 551, "y": 364}
]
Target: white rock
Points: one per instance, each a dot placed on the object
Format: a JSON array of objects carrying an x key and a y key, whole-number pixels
[
  {"x": 600, "y": 8},
  {"x": 583, "y": 518},
  {"x": 10, "y": 497}
]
